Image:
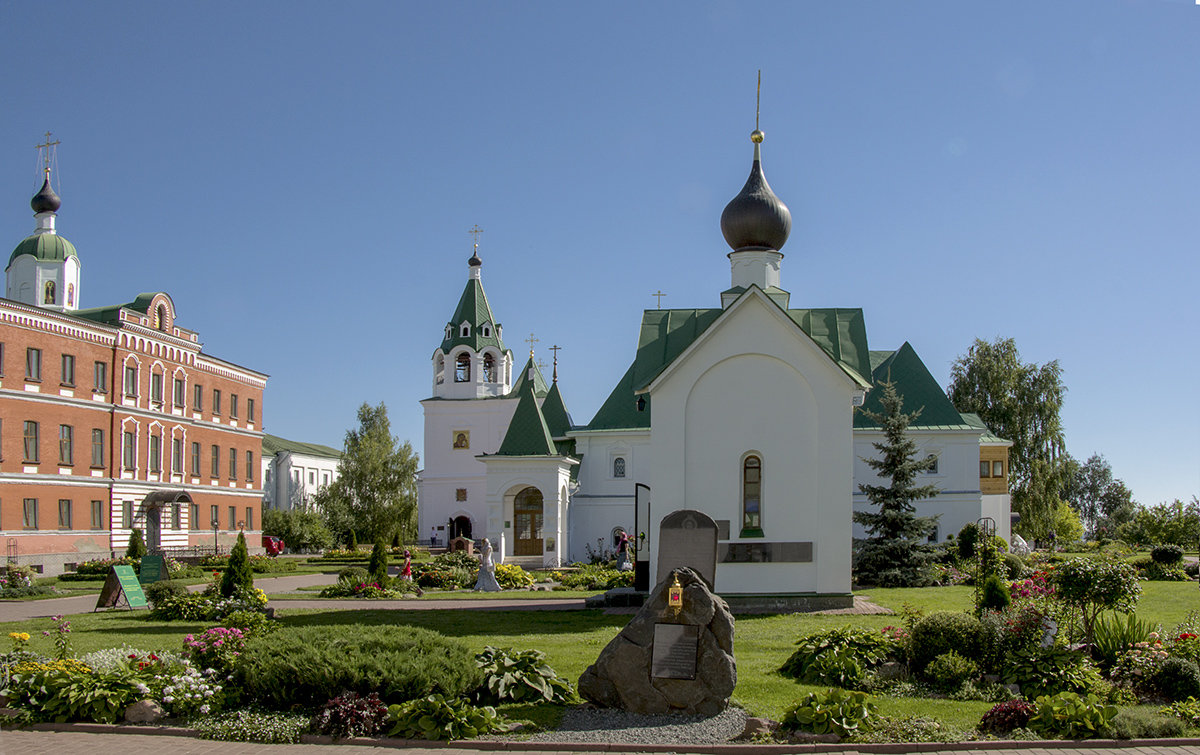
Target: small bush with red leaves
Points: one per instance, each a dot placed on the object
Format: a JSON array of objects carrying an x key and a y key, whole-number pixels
[
  {"x": 351, "y": 715},
  {"x": 1005, "y": 717}
]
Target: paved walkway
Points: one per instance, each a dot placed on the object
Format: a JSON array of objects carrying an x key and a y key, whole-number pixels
[{"x": 78, "y": 743}]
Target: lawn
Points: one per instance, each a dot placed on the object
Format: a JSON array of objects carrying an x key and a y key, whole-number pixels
[{"x": 573, "y": 639}]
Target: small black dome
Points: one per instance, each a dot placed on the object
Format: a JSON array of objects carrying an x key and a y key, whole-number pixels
[
  {"x": 45, "y": 200},
  {"x": 756, "y": 218},
  {"x": 475, "y": 261}
]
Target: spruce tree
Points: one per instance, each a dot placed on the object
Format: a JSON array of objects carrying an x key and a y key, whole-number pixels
[
  {"x": 378, "y": 564},
  {"x": 895, "y": 552},
  {"x": 137, "y": 545},
  {"x": 238, "y": 575}
]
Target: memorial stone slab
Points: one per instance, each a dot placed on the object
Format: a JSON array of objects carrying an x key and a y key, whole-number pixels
[{"x": 688, "y": 538}]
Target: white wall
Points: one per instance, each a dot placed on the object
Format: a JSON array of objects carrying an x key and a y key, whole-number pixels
[
  {"x": 756, "y": 382},
  {"x": 604, "y": 501}
]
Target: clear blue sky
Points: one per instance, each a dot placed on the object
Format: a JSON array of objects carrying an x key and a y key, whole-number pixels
[{"x": 301, "y": 176}]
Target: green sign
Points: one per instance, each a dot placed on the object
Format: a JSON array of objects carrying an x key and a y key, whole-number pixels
[
  {"x": 152, "y": 568},
  {"x": 122, "y": 586}
]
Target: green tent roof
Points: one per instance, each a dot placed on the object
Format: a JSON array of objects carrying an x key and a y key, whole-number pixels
[
  {"x": 666, "y": 333},
  {"x": 46, "y": 247},
  {"x": 540, "y": 389},
  {"x": 527, "y": 433},
  {"x": 555, "y": 412},
  {"x": 110, "y": 314},
  {"x": 619, "y": 411},
  {"x": 473, "y": 308},
  {"x": 916, "y": 387},
  {"x": 273, "y": 444}
]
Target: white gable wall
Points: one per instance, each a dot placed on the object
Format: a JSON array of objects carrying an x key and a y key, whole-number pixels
[
  {"x": 756, "y": 383},
  {"x": 604, "y": 501}
]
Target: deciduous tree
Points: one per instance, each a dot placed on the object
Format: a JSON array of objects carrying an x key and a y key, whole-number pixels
[
  {"x": 1021, "y": 402},
  {"x": 375, "y": 493}
]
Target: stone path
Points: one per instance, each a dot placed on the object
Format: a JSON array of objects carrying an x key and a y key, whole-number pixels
[{"x": 15, "y": 742}]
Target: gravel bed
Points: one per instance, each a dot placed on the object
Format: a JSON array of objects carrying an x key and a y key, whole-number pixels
[{"x": 606, "y": 725}]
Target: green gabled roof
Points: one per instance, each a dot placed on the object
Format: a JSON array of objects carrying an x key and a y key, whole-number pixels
[
  {"x": 974, "y": 420},
  {"x": 540, "y": 389},
  {"x": 111, "y": 314},
  {"x": 46, "y": 247},
  {"x": 666, "y": 333},
  {"x": 619, "y": 411},
  {"x": 558, "y": 419},
  {"x": 915, "y": 385},
  {"x": 273, "y": 444},
  {"x": 474, "y": 309},
  {"x": 527, "y": 433}
]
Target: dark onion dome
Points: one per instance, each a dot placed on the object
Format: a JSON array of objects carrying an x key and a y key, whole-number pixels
[
  {"x": 756, "y": 218},
  {"x": 45, "y": 200},
  {"x": 475, "y": 261}
]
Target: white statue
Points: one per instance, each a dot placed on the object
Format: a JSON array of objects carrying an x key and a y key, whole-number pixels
[{"x": 487, "y": 570}]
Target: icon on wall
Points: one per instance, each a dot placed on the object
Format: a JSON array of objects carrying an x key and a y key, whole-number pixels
[{"x": 462, "y": 438}]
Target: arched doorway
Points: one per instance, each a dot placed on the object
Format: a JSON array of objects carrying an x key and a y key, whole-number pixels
[
  {"x": 154, "y": 529},
  {"x": 460, "y": 526},
  {"x": 527, "y": 523}
]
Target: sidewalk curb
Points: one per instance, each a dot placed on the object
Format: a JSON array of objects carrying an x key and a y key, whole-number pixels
[{"x": 722, "y": 749}]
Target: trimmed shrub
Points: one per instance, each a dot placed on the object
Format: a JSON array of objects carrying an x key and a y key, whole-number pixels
[
  {"x": 1004, "y": 717},
  {"x": 967, "y": 537},
  {"x": 1177, "y": 679},
  {"x": 456, "y": 559},
  {"x": 1167, "y": 555},
  {"x": 948, "y": 671},
  {"x": 943, "y": 631},
  {"x": 100, "y": 567},
  {"x": 237, "y": 576},
  {"x": 306, "y": 666},
  {"x": 157, "y": 591},
  {"x": 354, "y": 575},
  {"x": 1091, "y": 586},
  {"x": 137, "y": 545},
  {"x": 994, "y": 595},
  {"x": 1139, "y": 723},
  {"x": 378, "y": 564},
  {"x": 1015, "y": 565}
]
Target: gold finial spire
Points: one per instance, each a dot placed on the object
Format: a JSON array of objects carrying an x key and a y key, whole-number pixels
[
  {"x": 531, "y": 341},
  {"x": 659, "y": 294},
  {"x": 757, "y": 136},
  {"x": 45, "y": 150},
  {"x": 555, "y": 348},
  {"x": 475, "y": 231}
]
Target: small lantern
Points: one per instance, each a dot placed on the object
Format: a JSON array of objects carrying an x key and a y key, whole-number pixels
[{"x": 675, "y": 596}]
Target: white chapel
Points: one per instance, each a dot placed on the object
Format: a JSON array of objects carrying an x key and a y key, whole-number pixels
[{"x": 746, "y": 412}]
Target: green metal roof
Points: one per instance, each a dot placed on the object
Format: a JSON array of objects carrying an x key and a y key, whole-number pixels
[
  {"x": 555, "y": 412},
  {"x": 273, "y": 444},
  {"x": 540, "y": 389},
  {"x": 619, "y": 411},
  {"x": 666, "y": 333},
  {"x": 527, "y": 433},
  {"x": 916, "y": 387},
  {"x": 110, "y": 315},
  {"x": 46, "y": 247},
  {"x": 473, "y": 308},
  {"x": 974, "y": 420}
]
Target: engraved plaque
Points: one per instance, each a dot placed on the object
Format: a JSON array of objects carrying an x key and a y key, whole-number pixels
[{"x": 675, "y": 649}]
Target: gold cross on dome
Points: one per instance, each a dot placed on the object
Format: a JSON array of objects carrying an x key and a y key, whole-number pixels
[
  {"x": 475, "y": 231},
  {"x": 660, "y": 295},
  {"x": 46, "y": 154},
  {"x": 531, "y": 341}
]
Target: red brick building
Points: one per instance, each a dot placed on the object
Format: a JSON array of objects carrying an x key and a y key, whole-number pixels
[{"x": 114, "y": 418}]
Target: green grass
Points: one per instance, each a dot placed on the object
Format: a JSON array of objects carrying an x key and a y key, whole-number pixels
[{"x": 573, "y": 639}]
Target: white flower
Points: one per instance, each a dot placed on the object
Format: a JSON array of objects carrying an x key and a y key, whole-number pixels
[
  {"x": 204, "y": 708},
  {"x": 168, "y": 699}
]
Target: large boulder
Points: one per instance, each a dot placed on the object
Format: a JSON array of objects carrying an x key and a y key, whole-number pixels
[{"x": 623, "y": 676}]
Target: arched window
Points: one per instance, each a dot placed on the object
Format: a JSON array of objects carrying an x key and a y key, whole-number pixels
[
  {"x": 932, "y": 460},
  {"x": 466, "y": 330},
  {"x": 489, "y": 368},
  {"x": 619, "y": 466},
  {"x": 160, "y": 317},
  {"x": 48, "y": 298},
  {"x": 752, "y": 497},
  {"x": 462, "y": 368},
  {"x": 439, "y": 368}
]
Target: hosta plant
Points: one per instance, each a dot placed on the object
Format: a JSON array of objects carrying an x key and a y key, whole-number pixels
[
  {"x": 512, "y": 577},
  {"x": 436, "y": 717},
  {"x": 1072, "y": 716},
  {"x": 1050, "y": 670},
  {"x": 838, "y": 656},
  {"x": 834, "y": 711},
  {"x": 519, "y": 676}
]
